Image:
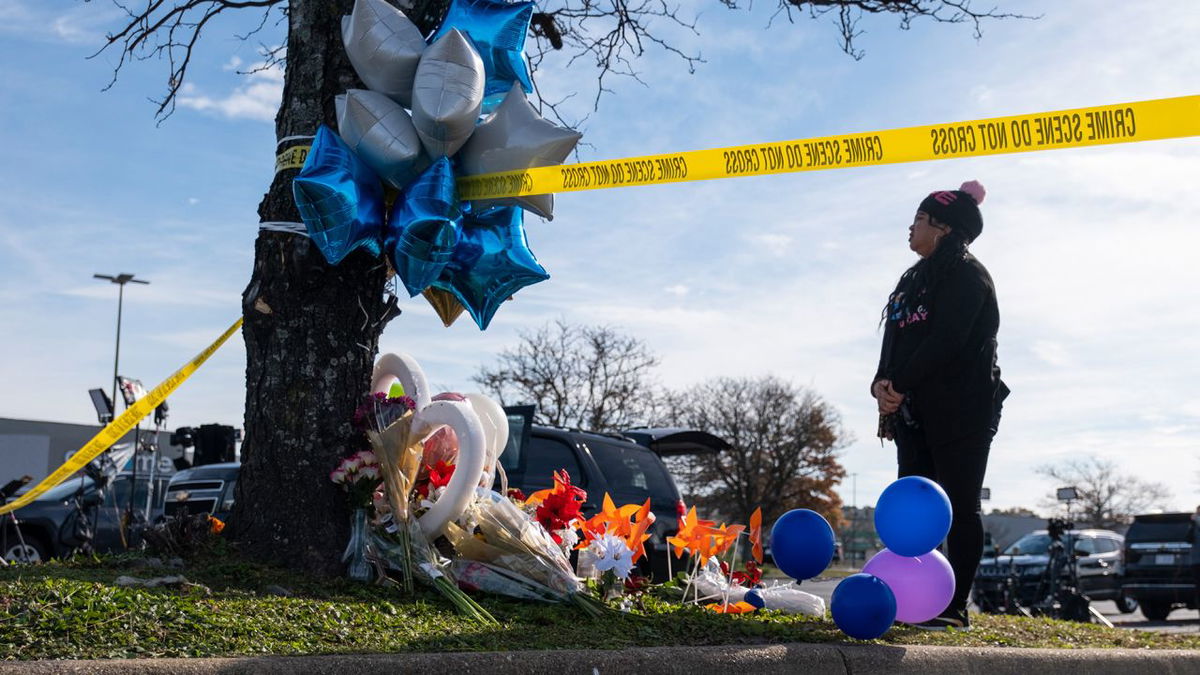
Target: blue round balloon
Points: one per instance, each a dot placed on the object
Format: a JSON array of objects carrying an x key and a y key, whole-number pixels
[
  {"x": 802, "y": 543},
  {"x": 755, "y": 597},
  {"x": 912, "y": 516},
  {"x": 863, "y": 606}
]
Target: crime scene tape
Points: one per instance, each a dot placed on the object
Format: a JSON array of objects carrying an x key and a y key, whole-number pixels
[
  {"x": 121, "y": 426},
  {"x": 1079, "y": 127},
  {"x": 292, "y": 158}
]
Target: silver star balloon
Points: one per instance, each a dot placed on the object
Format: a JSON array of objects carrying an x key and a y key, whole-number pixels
[
  {"x": 447, "y": 94},
  {"x": 380, "y": 132},
  {"x": 516, "y": 137},
  {"x": 384, "y": 47}
]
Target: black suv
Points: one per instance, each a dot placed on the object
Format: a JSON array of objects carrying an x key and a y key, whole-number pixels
[
  {"x": 627, "y": 466},
  {"x": 1157, "y": 569},
  {"x": 203, "y": 489}
]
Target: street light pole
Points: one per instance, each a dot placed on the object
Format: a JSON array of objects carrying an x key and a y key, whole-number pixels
[{"x": 120, "y": 280}]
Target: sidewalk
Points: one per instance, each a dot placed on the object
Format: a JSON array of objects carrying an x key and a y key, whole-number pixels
[{"x": 741, "y": 659}]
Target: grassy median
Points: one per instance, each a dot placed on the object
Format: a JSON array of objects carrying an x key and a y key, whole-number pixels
[{"x": 74, "y": 610}]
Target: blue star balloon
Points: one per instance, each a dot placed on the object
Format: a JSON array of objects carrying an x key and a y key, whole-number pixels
[
  {"x": 423, "y": 227},
  {"x": 497, "y": 30},
  {"x": 491, "y": 262},
  {"x": 339, "y": 197}
]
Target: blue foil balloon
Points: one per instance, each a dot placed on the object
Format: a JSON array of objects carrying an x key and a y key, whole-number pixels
[
  {"x": 863, "y": 606},
  {"x": 491, "y": 262},
  {"x": 912, "y": 516},
  {"x": 497, "y": 30},
  {"x": 339, "y": 197},
  {"x": 423, "y": 228},
  {"x": 802, "y": 543}
]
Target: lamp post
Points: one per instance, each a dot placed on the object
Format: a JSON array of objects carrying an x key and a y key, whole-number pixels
[{"x": 120, "y": 280}]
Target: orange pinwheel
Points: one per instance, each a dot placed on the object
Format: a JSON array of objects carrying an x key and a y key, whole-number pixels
[
  {"x": 739, "y": 607},
  {"x": 643, "y": 518},
  {"x": 756, "y": 546},
  {"x": 691, "y": 530}
]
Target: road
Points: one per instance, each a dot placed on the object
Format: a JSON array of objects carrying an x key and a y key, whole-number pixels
[{"x": 1180, "y": 620}]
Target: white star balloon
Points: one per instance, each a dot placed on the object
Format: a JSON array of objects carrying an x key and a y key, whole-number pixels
[
  {"x": 384, "y": 47},
  {"x": 447, "y": 94},
  {"x": 516, "y": 137}
]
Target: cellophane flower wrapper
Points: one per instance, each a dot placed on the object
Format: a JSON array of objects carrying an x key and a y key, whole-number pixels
[{"x": 513, "y": 543}]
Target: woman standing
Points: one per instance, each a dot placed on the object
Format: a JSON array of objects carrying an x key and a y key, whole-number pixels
[{"x": 937, "y": 387}]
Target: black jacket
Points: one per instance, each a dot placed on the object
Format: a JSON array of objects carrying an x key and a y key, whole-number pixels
[{"x": 942, "y": 354}]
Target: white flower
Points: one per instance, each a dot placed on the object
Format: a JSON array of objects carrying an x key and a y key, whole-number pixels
[
  {"x": 338, "y": 475},
  {"x": 612, "y": 554},
  {"x": 351, "y": 465},
  {"x": 367, "y": 458},
  {"x": 569, "y": 538},
  {"x": 370, "y": 472}
]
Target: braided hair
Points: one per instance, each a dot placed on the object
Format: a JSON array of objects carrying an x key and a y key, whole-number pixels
[{"x": 925, "y": 276}]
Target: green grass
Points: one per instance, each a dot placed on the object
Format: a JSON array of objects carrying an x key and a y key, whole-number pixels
[{"x": 72, "y": 609}]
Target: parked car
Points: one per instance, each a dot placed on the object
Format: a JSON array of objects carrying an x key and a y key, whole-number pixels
[
  {"x": 1157, "y": 571},
  {"x": 627, "y": 466},
  {"x": 54, "y": 526},
  {"x": 1098, "y": 564},
  {"x": 203, "y": 489}
]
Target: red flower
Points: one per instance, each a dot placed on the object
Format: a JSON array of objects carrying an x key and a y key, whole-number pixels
[
  {"x": 439, "y": 476},
  {"x": 750, "y": 577},
  {"x": 636, "y": 583},
  {"x": 558, "y": 507},
  {"x": 515, "y": 493}
]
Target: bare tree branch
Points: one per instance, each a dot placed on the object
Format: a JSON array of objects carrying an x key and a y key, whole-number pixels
[
  {"x": 1108, "y": 496},
  {"x": 170, "y": 29}
]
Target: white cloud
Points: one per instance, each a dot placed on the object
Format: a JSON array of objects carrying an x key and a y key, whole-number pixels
[
  {"x": 678, "y": 290},
  {"x": 257, "y": 98}
]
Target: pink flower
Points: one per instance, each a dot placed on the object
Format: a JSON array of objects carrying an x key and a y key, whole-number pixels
[
  {"x": 338, "y": 476},
  {"x": 367, "y": 457},
  {"x": 352, "y": 464},
  {"x": 369, "y": 472}
]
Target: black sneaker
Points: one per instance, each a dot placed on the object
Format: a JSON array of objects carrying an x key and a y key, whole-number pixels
[{"x": 949, "y": 620}]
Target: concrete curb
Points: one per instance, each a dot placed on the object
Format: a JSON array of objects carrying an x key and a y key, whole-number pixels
[{"x": 784, "y": 658}]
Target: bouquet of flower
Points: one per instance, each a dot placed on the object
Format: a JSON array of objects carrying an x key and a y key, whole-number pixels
[
  {"x": 397, "y": 541},
  {"x": 500, "y": 547}
]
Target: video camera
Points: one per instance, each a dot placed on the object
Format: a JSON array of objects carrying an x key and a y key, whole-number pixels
[{"x": 1057, "y": 527}]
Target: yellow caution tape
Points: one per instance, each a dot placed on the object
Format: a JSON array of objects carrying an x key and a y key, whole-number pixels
[
  {"x": 1079, "y": 127},
  {"x": 292, "y": 158},
  {"x": 120, "y": 426}
]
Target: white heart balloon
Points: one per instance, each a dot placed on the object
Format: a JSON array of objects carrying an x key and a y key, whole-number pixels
[
  {"x": 472, "y": 454},
  {"x": 495, "y": 427},
  {"x": 405, "y": 369}
]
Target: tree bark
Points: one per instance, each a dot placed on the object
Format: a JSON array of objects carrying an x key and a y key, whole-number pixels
[{"x": 311, "y": 332}]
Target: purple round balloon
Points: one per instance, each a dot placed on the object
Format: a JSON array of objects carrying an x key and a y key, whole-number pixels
[{"x": 923, "y": 585}]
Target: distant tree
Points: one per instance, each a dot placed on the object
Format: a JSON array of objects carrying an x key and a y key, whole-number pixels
[
  {"x": 1108, "y": 496},
  {"x": 587, "y": 377},
  {"x": 1014, "y": 511},
  {"x": 785, "y": 441}
]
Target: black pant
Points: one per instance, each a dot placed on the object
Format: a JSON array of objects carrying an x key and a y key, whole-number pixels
[{"x": 958, "y": 466}]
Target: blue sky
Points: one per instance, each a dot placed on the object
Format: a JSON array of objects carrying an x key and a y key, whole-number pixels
[{"x": 1093, "y": 250}]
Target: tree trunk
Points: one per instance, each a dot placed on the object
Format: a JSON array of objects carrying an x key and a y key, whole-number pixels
[{"x": 311, "y": 330}]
